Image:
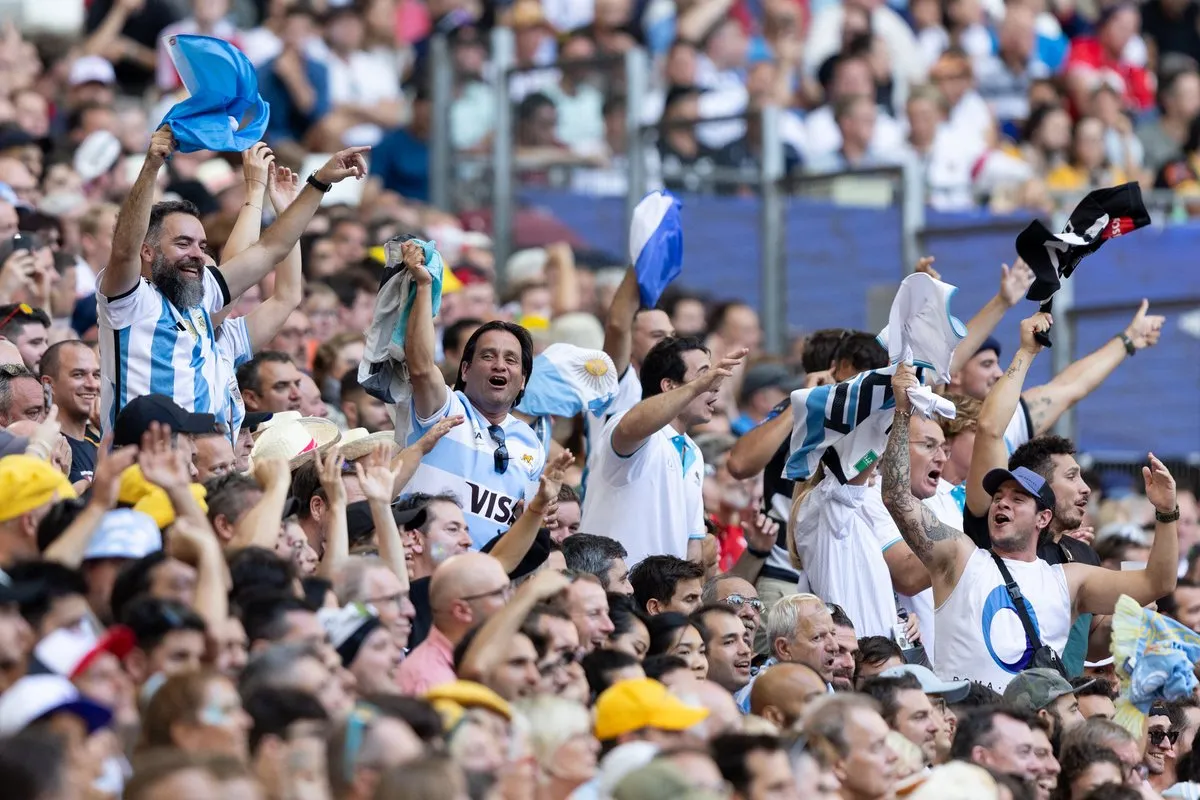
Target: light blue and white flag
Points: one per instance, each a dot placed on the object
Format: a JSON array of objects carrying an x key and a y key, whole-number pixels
[
  {"x": 656, "y": 244},
  {"x": 569, "y": 380},
  {"x": 844, "y": 424},
  {"x": 225, "y": 112}
]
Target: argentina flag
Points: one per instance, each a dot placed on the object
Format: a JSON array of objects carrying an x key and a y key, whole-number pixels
[
  {"x": 656, "y": 244},
  {"x": 569, "y": 380},
  {"x": 845, "y": 425},
  {"x": 225, "y": 112}
]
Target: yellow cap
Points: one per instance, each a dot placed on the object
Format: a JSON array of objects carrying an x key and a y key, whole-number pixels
[
  {"x": 467, "y": 694},
  {"x": 157, "y": 505},
  {"x": 27, "y": 483},
  {"x": 134, "y": 486},
  {"x": 632, "y": 705}
]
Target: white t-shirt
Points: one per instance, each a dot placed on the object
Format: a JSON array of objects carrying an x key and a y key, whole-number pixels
[
  {"x": 980, "y": 636},
  {"x": 629, "y": 394},
  {"x": 648, "y": 500},
  {"x": 842, "y": 556}
]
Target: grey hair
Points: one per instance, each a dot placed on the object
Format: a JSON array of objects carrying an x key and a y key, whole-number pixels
[
  {"x": 826, "y": 719},
  {"x": 273, "y": 667},
  {"x": 9, "y": 375},
  {"x": 784, "y": 616},
  {"x": 349, "y": 584},
  {"x": 586, "y": 552}
]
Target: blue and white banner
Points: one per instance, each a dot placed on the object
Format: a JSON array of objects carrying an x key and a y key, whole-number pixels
[
  {"x": 225, "y": 112},
  {"x": 569, "y": 380},
  {"x": 656, "y": 244}
]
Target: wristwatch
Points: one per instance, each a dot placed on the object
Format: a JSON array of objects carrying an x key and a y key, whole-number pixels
[
  {"x": 1170, "y": 516},
  {"x": 1125, "y": 340},
  {"x": 312, "y": 181}
]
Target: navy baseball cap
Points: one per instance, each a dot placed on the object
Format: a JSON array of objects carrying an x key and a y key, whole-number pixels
[
  {"x": 135, "y": 418},
  {"x": 1030, "y": 482},
  {"x": 990, "y": 343}
]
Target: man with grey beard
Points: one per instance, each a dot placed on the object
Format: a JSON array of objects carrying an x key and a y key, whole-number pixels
[{"x": 156, "y": 296}]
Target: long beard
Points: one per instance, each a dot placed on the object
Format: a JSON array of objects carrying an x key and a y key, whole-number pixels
[{"x": 182, "y": 292}]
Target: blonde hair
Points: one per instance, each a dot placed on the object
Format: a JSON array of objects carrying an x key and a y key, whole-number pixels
[
  {"x": 801, "y": 491},
  {"x": 966, "y": 416},
  {"x": 558, "y": 721},
  {"x": 910, "y": 759}
]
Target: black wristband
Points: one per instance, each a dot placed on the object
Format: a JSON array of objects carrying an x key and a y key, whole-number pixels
[
  {"x": 312, "y": 181},
  {"x": 764, "y": 554},
  {"x": 1125, "y": 340},
  {"x": 1170, "y": 516}
]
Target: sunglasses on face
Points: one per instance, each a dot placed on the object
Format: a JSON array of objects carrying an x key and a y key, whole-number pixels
[
  {"x": 739, "y": 600},
  {"x": 1156, "y": 737}
]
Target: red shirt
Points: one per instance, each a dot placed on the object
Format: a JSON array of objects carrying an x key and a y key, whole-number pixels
[
  {"x": 731, "y": 541},
  {"x": 1136, "y": 84}
]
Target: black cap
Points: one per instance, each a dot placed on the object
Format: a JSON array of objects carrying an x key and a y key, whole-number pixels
[
  {"x": 360, "y": 524},
  {"x": 135, "y": 418},
  {"x": 255, "y": 418},
  {"x": 538, "y": 552}
]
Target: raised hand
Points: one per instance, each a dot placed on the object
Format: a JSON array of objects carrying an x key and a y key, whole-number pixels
[
  {"x": 106, "y": 479},
  {"x": 551, "y": 481},
  {"x": 1015, "y": 282},
  {"x": 925, "y": 264},
  {"x": 414, "y": 262},
  {"x": 1085, "y": 534},
  {"x": 375, "y": 476},
  {"x": 329, "y": 472},
  {"x": 711, "y": 379},
  {"x": 45, "y": 438},
  {"x": 283, "y": 187},
  {"x": 1145, "y": 328},
  {"x": 1160, "y": 486},
  {"x": 162, "y": 464},
  {"x": 1038, "y": 323},
  {"x": 761, "y": 532},
  {"x": 271, "y": 472},
  {"x": 256, "y": 164},
  {"x": 904, "y": 379},
  {"x": 343, "y": 164},
  {"x": 162, "y": 145},
  {"x": 189, "y": 539},
  {"x": 546, "y": 584}
]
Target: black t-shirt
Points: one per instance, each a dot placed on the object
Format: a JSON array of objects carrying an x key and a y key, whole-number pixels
[
  {"x": 1172, "y": 34},
  {"x": 418, "y": 593},
  {"x": 83, "y": 456}
]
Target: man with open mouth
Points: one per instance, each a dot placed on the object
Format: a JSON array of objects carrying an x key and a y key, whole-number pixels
[{"x": 156, "y": 296}]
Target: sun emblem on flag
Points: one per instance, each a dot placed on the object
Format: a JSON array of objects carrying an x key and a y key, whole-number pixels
[
  {"x": 528, "y": 459},
  {"x": 596, "y": 367}
]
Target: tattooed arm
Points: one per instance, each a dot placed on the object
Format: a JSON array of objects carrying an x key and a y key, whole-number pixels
[
  {"x": 990, "y": 451},
  {"x": 940, "y": 547}
]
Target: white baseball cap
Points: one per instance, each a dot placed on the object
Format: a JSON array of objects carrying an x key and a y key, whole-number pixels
[
  {"x": 124, "y": 533},
  {"x": 91, "y": 69},
  {"x": 950, "y": 691},
  {"x": 69, "y": 652},
  {"x": 97, "y": 154},
  {"x": 37, "y": 696}
]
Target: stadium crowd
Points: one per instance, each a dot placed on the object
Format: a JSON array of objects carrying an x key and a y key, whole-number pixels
[{"x": 232, "y": 564}]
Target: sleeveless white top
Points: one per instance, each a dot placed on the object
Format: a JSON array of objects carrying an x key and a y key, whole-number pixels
[{"x": 979, "y": 635}]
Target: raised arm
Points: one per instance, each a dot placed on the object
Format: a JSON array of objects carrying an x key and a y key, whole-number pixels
[
  {"x": 263, "y": 322},
  {"x": 754, "y": 449},
  {"x": 940, "y": 548},
  {"x": 259, "y": 526},
  {"x": 653, "y": 413},
  {"x": 1014, "y": 283},
  {"x": 516, "y": 541},
  {"x": 618, "y": 325},
  {"x": 376, "y": 477},
  {"x": 1049, "y": 402},
  {"x": 405, "y": 464},
  {"x": 252, "y": 265},
  {"x": 1096, "y": 590},
  {"x": 69, "y": 547},
  {"x": 429, "y": 387},
  {"x": 337, "y": 534},
  {"x": 255, "y": 165},
  {"x": 990, "y": 451},
  {"x": 124, "y": 267}
]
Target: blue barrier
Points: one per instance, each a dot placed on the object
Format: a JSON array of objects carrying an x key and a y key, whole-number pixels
[{"x": 835, "y": 255}]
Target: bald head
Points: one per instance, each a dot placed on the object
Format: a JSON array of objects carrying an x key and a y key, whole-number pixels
[
  {"x": 465, "y": 590},
  {"x": 782, "y": 693}
]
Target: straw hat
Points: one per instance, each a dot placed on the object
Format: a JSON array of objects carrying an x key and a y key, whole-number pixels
[
  {"x": 357, "y": 443},
  {"x": 275, "y": 419},
  {"x": 295, "y": 440}
]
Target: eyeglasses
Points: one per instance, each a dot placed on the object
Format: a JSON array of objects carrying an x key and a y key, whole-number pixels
[
  {"x": 562, "y": 662},
  {"x": 501, "y": 455},
  {"x": 1156, "y": 736},
  {"x": 504, "y": 592},
  {"x": 396, "y": 600},
  {"x": 738, "y": 600}
]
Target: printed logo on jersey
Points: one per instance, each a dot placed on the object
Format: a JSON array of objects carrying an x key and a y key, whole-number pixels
[{"x": 1001, "y": 624}]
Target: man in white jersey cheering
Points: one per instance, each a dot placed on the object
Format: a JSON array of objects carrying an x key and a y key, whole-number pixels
[
  {"x": 980, "y": 635},
  {"x": 156, "y": 295},
  {"x": 494, "y": 461}
]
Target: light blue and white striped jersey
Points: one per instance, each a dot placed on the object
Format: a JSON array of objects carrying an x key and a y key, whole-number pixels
[
  {"x": 463, "y": 462},
  {"x": 148, "y": 346},
  {"x": 233, "y": 347}
]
